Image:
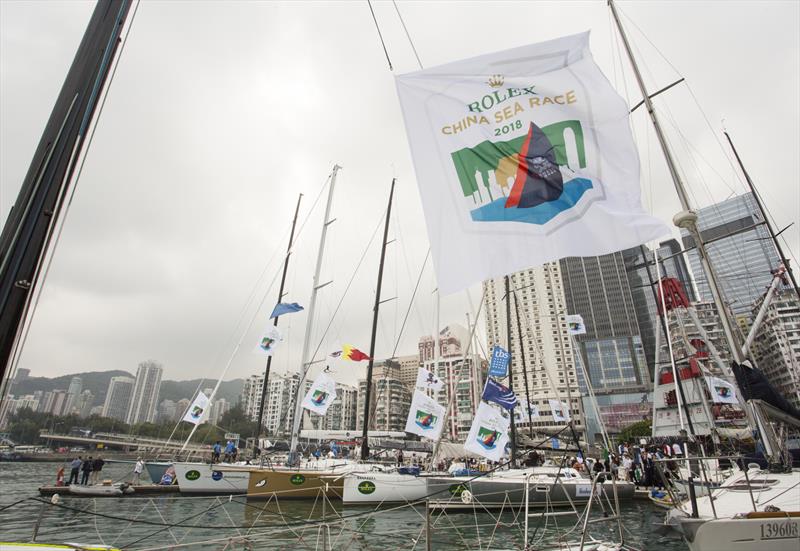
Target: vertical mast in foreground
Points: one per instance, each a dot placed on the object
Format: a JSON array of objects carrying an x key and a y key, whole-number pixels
[
  {"x": 263, "y": 400},
  {"x": 364, "y": 437},
  {"x": 687, "y": 218},
  {"x": 315, "y": 286},
  {"x": 510, "y": 374}
]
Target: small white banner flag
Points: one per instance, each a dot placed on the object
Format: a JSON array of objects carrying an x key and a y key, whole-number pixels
[
  {"x": 488, "y": 435},
  {"x": 722, "y": 392},
  {"x": 268, "y": 341},
  {"x": 522, "y": 157},
  {"x": 321, "y": 394},
  {"x": 197, "y": 410},
  {"x": 575, "y": 325},
  {"x": 560, "y": 410},
  {"x": 427, "y": 380},
  {"x": 525, "y": 412},
  {"x": 425, "y": 417}
]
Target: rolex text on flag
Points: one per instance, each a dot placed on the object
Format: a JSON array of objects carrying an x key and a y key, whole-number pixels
[
  {"x": 575, "y": 325},
  {"x": 268, "y": 341},
  {"x": 488, "y": 435},
  {"x": 522, "y": 157},
  {"x": 559, "y": 410},
  {"x": 197, "y": 410},
  {"x": 498, "y": 367},
  {"x": 499, "y": 394},
  {"x": 426, "y": 417},
  {"x": 722, "y": 392},
  {"x": 427, "y": 380},
  {"x": 285, "y": 308},
  {"x": 321, "y": 394}
]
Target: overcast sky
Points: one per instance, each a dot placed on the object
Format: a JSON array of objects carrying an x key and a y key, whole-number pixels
[{"x": 221, "y": 113}]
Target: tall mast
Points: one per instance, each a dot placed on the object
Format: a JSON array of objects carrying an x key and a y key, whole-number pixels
[
  {"x": 687, "y": 218},
  {"x": 30, "y": 226},
  {"x": 510, "y": 374},
  {"x": 772, "y": 233},
  {"x": 298, "y": 410},
  {"x": 364, "y": 438},
  {"x": 524, "y": 369},
  {"x": 263, "y": 401}
]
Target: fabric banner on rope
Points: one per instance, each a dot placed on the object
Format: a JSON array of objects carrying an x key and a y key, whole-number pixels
[
  {"x": 575, "y": 325},
  {"x": 427, "y": 380},
  {"x": 488, "y": 435},
  {"x": 559, "y": 410},
  {"x": 722, "y": 392},
  {"x": 525, "y": 412},
  {"x": 522, "y": 157},
  {"x": 197, "y": 410},
  {"x": 285, "y": 308},
  {"x": 498, "y": 366},
  {"x": 269, "y": 340},
  {"x": 425, "y": 417},
  {"x": 499, "y": 394},
  {"x": 350, "y": 352},
  {"x": 321, "y": 394}
]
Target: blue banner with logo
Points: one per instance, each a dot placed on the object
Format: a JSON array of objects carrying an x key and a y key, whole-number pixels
[{"x": 498, "y": 367}]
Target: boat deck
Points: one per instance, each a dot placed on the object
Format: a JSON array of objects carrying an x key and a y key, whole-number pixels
[{"x": 141, "y": 490}]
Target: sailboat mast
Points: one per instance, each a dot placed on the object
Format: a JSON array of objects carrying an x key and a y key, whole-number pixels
[
  {"x": 686, "y": 219},
  {"x": 312, "y": 303},
  {"x": 510, "y": 374},
  {"x": 364, "y": 438},
  {"x": 263, "y": 401},
  {"x": 763, "y": 213},
  {"x": 524, "y": 368}
]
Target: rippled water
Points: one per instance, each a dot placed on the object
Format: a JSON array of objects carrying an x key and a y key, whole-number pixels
[{"x": 149, "y": 523}]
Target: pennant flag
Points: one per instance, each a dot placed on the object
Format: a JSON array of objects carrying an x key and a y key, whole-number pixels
[
  {"x": 285, "y": 308},
  {"x": 525, "y": 412},
  {"x": 722, "y": 392},
  {"x": 498, "y": 367},
  {"x": 488, "y": 435},
  {"x": 194, "y": 414},
  {"x": 349, "y": 352},
  {"x": 321, "y": 394},
  {"x": 559, "y": 410},
  {"x": 268, "y": 341},
  {"x": 575, "y": 325},
  {"x": 427, "y": 380},
  {"x": 499, "y": 394},
  {"x": 425, "y": 417},
  {"x": 522, "y": 157}
]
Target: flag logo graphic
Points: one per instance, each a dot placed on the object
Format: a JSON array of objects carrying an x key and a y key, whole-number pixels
[
  {"x": 266, "y": 344},
  {"x": 366, "y": 487},
  {"x": 297, "y": 479},
  {"x": 533, "y": 180},
  {"x": 425, "y": 420},
  {"x": 197, "y": 412},
  {"x": 487, "y": 438},
  {"x": 319, "y": 397},
  {"x": 723, "y": 391}
]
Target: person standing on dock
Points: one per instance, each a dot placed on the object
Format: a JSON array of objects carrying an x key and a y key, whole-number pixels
[
  {"x": 216, "y": 450},
  {"x": 86, "y": 470},
  {"x": 97, "y": 468},
  {"x": 75, "y": 467},
  {"x": 137, "y": 471}
]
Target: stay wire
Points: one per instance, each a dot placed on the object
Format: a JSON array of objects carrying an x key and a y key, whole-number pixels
[
  {"x": 411, "y": 302},
  {"x": 408, "y": 36},
  {"x": 380, "y": 35}
]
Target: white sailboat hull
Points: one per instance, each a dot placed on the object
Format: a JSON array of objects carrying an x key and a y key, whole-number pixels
[
  {"x": 202, "y": 478},
  {"x": 387, "y": 488},
  {"x": 745, "y": 534}
]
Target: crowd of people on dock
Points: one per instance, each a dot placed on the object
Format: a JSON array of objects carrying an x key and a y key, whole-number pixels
[{"x": 82, "y": 471}]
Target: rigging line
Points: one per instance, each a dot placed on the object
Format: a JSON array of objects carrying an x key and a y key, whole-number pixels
[
  {"x": 411, "y": 302},
  {"x": 73, "y": 185},
  {"x": 380, "y": 35},
  {"x": 411, "y": 42}
]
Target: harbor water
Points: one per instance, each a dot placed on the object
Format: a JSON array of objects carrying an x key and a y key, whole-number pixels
[{"x": 174, "y": 521}]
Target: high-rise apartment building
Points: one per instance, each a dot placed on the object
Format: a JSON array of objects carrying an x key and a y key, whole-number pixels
[
  {"x": 549, "y": 359},
  {"x": 167, "y": 411},
  {"x": 743, "y": 261},
  {"x": 144, "y": 398},
  {"x": 390, "y": 399},
  {"x": 280, "y": 402},
  {"x": 777, "y": 344},
  {"x": 643, "y": 281},
  {"x": 73, "y": 393},
  {"x": 409, "y": 367},
  {"x": 118, "y": 398},
  {"x": 341, "y": 413}
]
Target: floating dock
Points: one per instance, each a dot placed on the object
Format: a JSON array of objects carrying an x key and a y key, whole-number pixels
[{"x": 141, "y": 490}]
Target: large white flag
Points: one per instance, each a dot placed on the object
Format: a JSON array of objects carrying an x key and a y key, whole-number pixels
[
  {"x": 559, "y": 410},
  {"x": 197, "y": 410},
  {"x": 427, "y": 380},
  {"x": 425, "y": 417},
  {"x": 722, "y": 392},
  {"x": 488, "y": 435},
  {"x": 321, "y": 394},
  {"x": 522, "y": 157}
]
